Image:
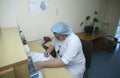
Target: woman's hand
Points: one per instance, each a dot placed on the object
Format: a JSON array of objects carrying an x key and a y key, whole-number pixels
[
  {"x": 53, "y": 63},
  {"x": 38, "y": 65}
]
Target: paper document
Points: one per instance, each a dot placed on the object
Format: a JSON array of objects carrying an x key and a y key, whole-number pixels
[{"x": 38, "y": 57}]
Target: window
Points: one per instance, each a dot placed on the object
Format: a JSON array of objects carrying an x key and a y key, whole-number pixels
[{"x": 118, "y": 31}]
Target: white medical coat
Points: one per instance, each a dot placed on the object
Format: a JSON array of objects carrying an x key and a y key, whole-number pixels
[{"x": 71, "y": 53}]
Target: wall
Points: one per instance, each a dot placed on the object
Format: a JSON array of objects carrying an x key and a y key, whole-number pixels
[
  {"x": 7, "y": 15},
  {"x": 35, "y": 25}
]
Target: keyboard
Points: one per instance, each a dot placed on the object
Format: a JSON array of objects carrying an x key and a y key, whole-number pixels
[{"x": 32, "y": 71}]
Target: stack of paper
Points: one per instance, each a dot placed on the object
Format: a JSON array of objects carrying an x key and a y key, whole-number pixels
[{"x": 38, "y": 56}]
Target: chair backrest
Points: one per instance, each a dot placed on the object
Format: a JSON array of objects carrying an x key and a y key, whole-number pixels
[
  {"x": 87, "y": 50},
  {"x": 109, "y": 42}
]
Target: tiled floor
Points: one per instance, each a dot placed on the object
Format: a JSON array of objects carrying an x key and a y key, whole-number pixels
[{"x": 105, "y": 64}]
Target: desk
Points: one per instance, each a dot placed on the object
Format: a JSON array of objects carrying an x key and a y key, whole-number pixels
[
  {"x": 94, "y": 38},
  {"x": 89, "y": 37},
  {"x": 13, "y": 59},
  {"x": 49, "y": 72}
]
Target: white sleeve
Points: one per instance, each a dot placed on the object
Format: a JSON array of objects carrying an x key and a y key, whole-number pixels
[{"x": 72, "y": 48}]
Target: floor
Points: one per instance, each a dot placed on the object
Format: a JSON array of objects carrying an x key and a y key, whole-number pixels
[{"x": 105, "y": 64}]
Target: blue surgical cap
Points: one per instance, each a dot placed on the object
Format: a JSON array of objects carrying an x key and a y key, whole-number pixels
[{"x": 61, "y": 28}]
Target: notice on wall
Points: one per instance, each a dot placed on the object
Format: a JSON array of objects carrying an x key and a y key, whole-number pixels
[{"x": 37, "y": 5}]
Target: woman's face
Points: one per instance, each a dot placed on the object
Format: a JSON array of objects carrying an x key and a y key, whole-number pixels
[{"x": 60, "y": 37}]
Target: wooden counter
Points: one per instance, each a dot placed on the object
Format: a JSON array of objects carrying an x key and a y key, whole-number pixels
[{"x": 12, "y": 54}]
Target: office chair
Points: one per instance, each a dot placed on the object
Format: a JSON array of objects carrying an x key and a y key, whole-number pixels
[
  {"x": 109, "y": 42},
  {"x": 87, "y": 50}
]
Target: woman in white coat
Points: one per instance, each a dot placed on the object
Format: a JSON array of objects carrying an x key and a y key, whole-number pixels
[{"x": 69, "y": 51}]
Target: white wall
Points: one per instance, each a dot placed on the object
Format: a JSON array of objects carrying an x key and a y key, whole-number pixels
[
  {"x": 38, "y": 24},
  {"x": 7, "y": 15}
]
